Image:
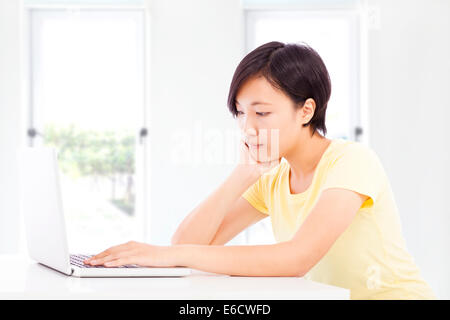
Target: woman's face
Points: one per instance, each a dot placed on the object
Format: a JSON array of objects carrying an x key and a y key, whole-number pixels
[{"x": 266, "y": 117}]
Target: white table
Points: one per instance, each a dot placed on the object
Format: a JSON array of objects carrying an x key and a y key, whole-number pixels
[{"x": 23, "y": 278}]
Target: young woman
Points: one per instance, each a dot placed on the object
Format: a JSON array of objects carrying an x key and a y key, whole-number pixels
[{"x": 330, "y": 202}]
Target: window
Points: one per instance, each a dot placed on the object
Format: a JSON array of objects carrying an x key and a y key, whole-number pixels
[
  {"x": 87, "y": 99},
  {"x": 334, "y": 34}
]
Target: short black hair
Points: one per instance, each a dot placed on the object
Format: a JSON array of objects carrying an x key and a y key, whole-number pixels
[{"x": 294, "y": 68}]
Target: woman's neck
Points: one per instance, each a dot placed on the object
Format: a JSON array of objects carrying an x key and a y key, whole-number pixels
[{"x": 305, "y": 156}]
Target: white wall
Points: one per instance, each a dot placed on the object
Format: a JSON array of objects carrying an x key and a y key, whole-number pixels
[{"x": 409, "y": 109}]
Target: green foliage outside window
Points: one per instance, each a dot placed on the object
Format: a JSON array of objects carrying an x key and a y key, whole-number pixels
[{"x": 97, "y": 154}]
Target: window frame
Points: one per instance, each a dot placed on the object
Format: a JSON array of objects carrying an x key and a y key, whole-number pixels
[{"x": 142, "y": 152}]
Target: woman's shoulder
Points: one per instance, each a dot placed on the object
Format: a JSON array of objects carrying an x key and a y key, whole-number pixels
[
  {"x": 348, "y": 149},
  {"x": 354, "y": 166},
  {"x": 340, "y": 150},
  {"x": 354, "y": 158}
]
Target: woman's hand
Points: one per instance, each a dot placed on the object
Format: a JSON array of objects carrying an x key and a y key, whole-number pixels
[
  {"x": 257, "y": 167},
  {"x": 133, "y": 252}
]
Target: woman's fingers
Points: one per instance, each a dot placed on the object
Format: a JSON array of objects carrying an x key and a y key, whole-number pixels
[
  {"x": 111, "y": 257},
  {"x": 98, "y": 256},
  {"x": 108, "y": 251},
  {"x": 127, "y": 253},
  {"x": 121, "y": 261},
  {"x": 109, "y": 254},
  {"x": 102, "y": 260}
]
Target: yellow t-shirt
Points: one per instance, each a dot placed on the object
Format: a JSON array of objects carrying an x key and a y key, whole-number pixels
[{"x": 370, "y": 257}]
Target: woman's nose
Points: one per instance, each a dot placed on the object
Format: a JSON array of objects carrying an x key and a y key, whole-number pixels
[
  {"x": 248, "y": 127},
  {"x": 250, "y": 132}
]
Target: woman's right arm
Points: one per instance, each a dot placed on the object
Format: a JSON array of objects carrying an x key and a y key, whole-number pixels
[
  {"x": 225, "y": 213},
  {"x": 203, "y": 223}
]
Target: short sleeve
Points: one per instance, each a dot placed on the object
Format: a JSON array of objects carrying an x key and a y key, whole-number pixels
[
  {"x": 255, "y": 195},
  {"x": 356, "y": 168}
]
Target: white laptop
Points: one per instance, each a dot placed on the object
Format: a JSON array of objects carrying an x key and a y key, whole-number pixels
[{"x": 45, "y": 225}]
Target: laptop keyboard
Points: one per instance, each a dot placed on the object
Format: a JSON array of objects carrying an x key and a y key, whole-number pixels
[{"x": 77, "y": 260}]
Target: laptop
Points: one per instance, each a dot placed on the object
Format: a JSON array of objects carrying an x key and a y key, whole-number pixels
[{"x": 42, "y": 208}]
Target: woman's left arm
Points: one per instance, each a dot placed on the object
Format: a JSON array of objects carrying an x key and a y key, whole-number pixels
[
  {"x": 332, "y": 214},
  {"x": 259, "y": 260}
]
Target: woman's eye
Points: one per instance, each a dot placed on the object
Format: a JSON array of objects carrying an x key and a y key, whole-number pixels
[{"x": 258, "y": 113}]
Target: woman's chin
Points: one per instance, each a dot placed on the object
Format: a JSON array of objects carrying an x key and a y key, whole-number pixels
[{"x": 262, "y": 157}]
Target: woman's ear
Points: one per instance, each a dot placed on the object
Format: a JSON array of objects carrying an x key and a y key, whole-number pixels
[{"x": 307, "y": 111}]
